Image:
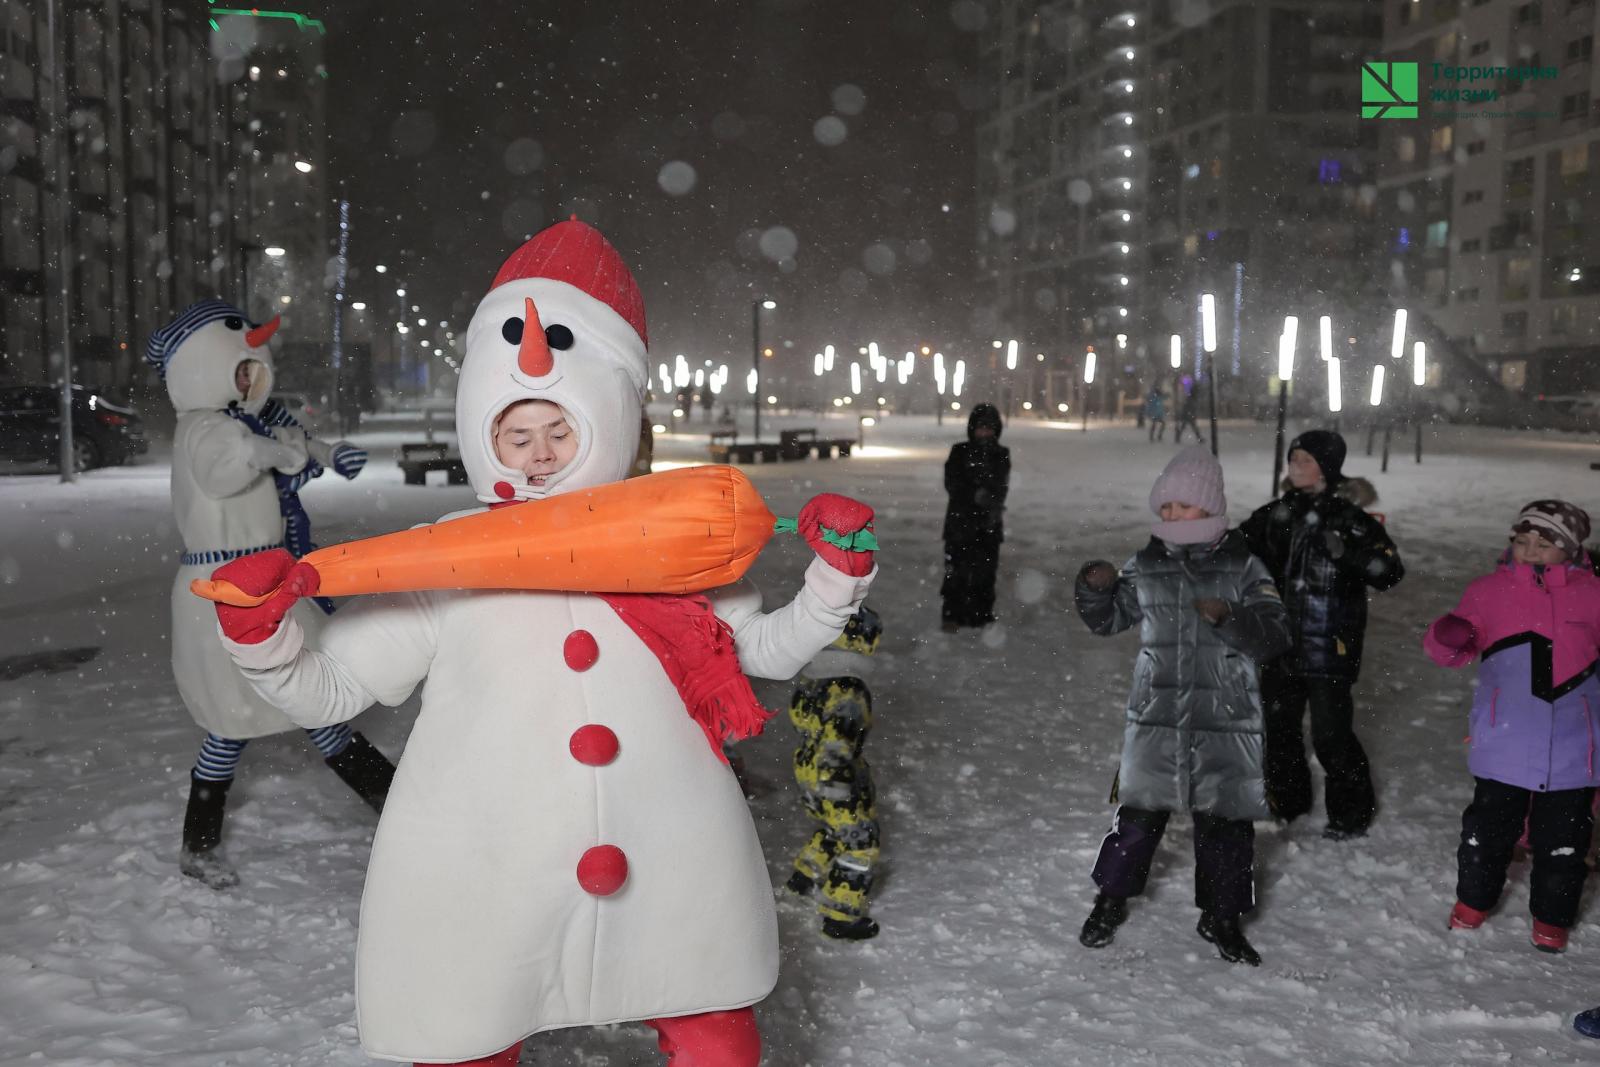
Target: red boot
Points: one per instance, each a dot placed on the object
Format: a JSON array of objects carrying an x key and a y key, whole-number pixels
[
  {"x": 506, "y": 1058},
  {"x": 1547, "y": 938},
  {"x": 1463, "y": 917},
  {"x": 710, "y": 1039}
]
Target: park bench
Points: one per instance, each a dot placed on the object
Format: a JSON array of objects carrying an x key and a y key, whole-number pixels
[
  {"x": 727, "y": 448},
  {"x": 418, "y": 458},
  {"x": 800, "y": 443}
]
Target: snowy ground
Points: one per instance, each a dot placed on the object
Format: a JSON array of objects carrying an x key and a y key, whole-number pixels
[{"x": 994, "y": 754}]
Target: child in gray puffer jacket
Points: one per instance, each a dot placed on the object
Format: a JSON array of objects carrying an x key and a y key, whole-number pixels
[{"x": 1208, "y": 613}]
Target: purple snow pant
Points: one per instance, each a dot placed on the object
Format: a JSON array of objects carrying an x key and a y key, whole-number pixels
[{"x": 1224, "y": 857}]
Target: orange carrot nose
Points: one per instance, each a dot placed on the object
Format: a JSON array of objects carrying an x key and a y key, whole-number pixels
[
  {"x": 533, "y": 358},
  {"x": 262, "y": 334}
]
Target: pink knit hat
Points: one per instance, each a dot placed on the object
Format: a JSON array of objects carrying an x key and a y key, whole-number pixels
[{"x": 1194, "y": 477}]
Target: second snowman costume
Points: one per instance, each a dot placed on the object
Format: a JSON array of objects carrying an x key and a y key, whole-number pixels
[{"x": 561, "y": 846}]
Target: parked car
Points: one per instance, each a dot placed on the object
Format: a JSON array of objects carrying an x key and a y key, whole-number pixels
[{"x": 103, "y": 433}]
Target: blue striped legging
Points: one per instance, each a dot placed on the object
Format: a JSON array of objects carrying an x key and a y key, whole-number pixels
[{"x": 219, "y": 756}]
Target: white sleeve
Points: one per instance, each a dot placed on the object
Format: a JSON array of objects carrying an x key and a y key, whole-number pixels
[
  {"x": 778, "y": 644},
  {"x": 223, "y": 455},
  {"x": 374, "y": 650},
  {"x": 321, "y": 451}
]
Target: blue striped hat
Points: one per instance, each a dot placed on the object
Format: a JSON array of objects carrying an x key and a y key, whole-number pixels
[{"x": 165, "y": 341}]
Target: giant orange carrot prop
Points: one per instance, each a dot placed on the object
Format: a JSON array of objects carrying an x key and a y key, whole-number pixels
[{"x": 678, "y": 531}]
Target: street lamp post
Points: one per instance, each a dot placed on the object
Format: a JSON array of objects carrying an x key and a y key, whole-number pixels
[
  {"x": 1285, "y": 373},
  {"x": 755, "y": 356},
  {"x": 1208, "y": 340},
  {"x": 63, "y": 168}
]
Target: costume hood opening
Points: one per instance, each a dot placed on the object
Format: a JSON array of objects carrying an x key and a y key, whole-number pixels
[
  {"x": 589, "y": 359},
  {"x": 198, "y": 353}
]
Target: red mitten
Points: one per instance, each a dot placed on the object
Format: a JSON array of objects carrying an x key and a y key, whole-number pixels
[
  {"x": 256, "y": 574},
  {"x": 843, "y": 516},
  {"x": 1454, "y": 632}
]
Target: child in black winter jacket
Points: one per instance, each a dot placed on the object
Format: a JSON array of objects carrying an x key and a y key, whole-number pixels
[
  {"x": 977, "y": 476},
  {"x": 1324, "y": 553}
]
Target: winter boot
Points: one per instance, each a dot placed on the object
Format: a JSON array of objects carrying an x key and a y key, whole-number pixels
[
  {"x": 800, "y": 883},
  {"x": 1547, "y": 938},
  {"x": 1101, "y": 926},
  {"x": 202, "y": 857},
  {"x": 857, "y": 929},
  {"x": 364, "y": 769},
  {"x": 1587, "y": 1023},
  {"x": 1229, "y": 938},
  {"x": 1463, "y": 917}
]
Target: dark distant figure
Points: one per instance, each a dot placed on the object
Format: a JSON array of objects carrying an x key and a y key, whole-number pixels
[
  {"x": 1187, "y": 415},
  {"x": 1155, "y": 409},
  {"x": 977, "y": 476}
]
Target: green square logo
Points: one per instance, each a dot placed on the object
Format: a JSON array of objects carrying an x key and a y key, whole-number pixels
[{"x": 1388, "y": 90}]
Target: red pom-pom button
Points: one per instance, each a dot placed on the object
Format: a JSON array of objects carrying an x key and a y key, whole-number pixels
[
  {"x": 593, "y": 745},
  {"x": 580, "y": 650},
  {"x": 504, "y": 491},
  {"x": 602, "y": 870}
]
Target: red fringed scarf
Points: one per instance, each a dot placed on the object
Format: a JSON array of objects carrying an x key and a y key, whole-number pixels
[{"x": 696, "y": 650}]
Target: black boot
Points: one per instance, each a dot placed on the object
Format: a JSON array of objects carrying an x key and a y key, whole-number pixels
[
  {"x": 202, "y": 857},
  {"x": 1101, "y": 926},
  {"x": 1229, "y": 938},
  {"x": 364, "y": 769},
  {"x": 800, "y": 883},
  {"x": 859, "y": 929}
]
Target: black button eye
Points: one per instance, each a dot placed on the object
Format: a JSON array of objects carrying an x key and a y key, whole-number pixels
[
  {"x": 233, "y": 322},
  {"x": 511, "y": 330},
  {"x": 558, "y": 337}
]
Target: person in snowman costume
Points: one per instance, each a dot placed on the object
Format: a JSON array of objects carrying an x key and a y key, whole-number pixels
[
  {"x": 564, "y": 844},
  {"x": 226, "y": 465}
]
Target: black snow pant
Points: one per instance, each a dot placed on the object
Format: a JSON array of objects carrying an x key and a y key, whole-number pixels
[
  {"x": 1224, "y": 859},
  {"x": 1188, "y": 423},
  {"x": 1158, "y": 429},
  {"x": 1350, "y": 801},
  {"x": 970, "y": 568},
  {"x": 1559, "y": 825}
]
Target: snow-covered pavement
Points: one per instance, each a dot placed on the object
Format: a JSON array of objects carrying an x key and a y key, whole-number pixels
[{"x": 994, "y": 753}]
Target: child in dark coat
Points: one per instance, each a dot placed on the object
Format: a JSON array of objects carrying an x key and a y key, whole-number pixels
[
  {"x": 977, "y": 476},
  {"x": 1207, "y": 613},
  {"x": 1324, "y": 552}
]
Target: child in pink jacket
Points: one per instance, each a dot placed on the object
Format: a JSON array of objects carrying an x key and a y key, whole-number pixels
[{"x": 1534, "y": 625}]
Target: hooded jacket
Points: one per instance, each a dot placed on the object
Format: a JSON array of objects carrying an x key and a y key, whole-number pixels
[
  {"x": 977, "y": 475},
  {"x": 1193, "y": 739},
  {"x": 1537, "y": 639},
  {"x": 1323, "y": 552}
]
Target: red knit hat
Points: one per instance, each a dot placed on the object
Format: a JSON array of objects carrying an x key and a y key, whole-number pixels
[{"x": 576, "y": 253}]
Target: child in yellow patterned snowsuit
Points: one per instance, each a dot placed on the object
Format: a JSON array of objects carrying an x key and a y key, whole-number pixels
[{"x": 833, "y": 714}]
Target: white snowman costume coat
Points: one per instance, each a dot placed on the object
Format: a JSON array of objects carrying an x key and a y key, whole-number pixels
[
  {"x": 475, "y": 930},
  {"x": 225, "y": 504}
]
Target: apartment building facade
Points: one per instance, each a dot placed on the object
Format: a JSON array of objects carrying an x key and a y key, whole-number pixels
[{"x": 1492, "y": 194}]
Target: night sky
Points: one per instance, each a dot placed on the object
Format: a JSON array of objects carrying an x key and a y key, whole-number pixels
[{"x": 459, "y": 136}]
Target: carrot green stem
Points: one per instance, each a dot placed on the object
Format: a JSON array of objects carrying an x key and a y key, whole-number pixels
[{"x": 860, "y": 541}]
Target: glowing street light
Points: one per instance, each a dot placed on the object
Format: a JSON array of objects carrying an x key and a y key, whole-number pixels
[
  {"x": 1177, "y": 352},
  {"x": 959, "y": 378},
  {"x": 1325, "y": 337},
  {"x": 1419, "y": 364},
  {"x": 1377, "y": 384},
  {"x": 816, "y": 365},
  {"x": 1397, "y": 347},
  {"x": 1335, "y": 390},
  {"x": 1208, "y": 322},
  {"x": 1088, "y": 367},
  {"x": 1011, "y": 354},
  {"x": 855, "y": 378},
  {"x": 303, "y": 167},
  {"x": 827, "y": 357}
]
